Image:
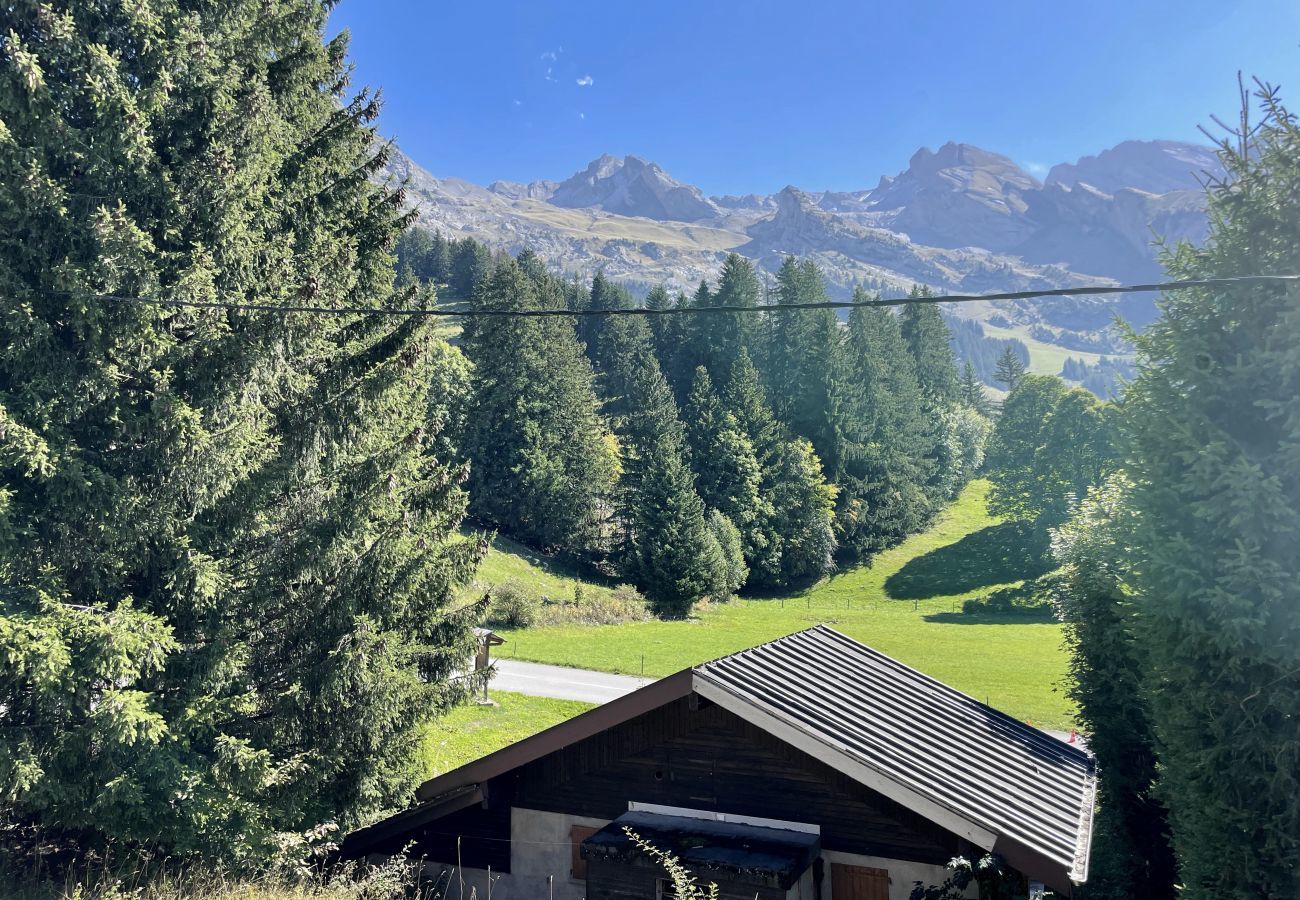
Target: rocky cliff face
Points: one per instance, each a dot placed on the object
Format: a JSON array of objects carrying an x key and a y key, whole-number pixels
[
  {"x": 959, "y": 196},
  {"x": 517, "y": 190},
  {"x": 850, "y": 252},
  {"x": 1156, "y": 167},
  {"x": 632, "y": 186}
]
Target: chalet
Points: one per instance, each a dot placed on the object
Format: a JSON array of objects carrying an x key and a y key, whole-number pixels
[{"x": 811, "y": 767}]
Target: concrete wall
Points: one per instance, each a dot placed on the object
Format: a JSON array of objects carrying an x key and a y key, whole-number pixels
[
  {"x": 902, "y": 874},
  {"x": 539, "y": 847}
]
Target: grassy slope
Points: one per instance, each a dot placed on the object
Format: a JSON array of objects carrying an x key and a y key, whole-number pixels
[
  {"x": 1044, "y": 358},
  {"x": 545, "y": 576},
  {"x": 902, "y": 605},
  {"x": 468, "y": 732}
]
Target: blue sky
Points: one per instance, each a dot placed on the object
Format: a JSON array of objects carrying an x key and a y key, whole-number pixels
[{"x": 751, "y": 96}]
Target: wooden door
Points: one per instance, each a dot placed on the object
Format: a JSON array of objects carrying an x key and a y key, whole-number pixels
[{"x": 858, "y": 883}]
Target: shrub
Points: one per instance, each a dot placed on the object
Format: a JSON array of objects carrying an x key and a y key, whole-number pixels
[
  {"x": 599, "y": 607},
  {"x": 513, "y": 605},
  {"x": 735, "y": 570}
]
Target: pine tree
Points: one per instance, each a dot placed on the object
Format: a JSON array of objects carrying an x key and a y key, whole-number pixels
[
  {"x": 1213, "y": 423},
  {"x": 228, "y": 551},
  {"x": 1131, "y": 854},
  {"x": 1010, "y": 368},
  {"x": 927, "y": 338},
  {"x": 539, "y": 463}
]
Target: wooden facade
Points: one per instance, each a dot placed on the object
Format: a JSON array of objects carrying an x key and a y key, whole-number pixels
[{"x": 688, "y": 753}]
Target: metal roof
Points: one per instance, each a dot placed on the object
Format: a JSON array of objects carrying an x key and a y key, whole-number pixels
[{"x": 928, "y": 743}]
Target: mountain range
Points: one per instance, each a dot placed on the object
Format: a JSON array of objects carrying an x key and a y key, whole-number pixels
[{"x": 959, "y": 218}]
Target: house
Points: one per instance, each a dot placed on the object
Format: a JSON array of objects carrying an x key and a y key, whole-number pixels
[{"x": 811, "y": 767}]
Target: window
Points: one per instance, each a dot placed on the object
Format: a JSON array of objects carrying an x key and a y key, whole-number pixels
[{"x": 578, "y": 865}]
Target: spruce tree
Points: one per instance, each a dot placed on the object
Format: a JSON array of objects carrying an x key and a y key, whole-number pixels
[
  {"x": 440, "y": 259},
  {"x": 806, "y": 378},
  {"x": 668, "y": 546},
  {"x": 470, "y": 265},
  {"x": 228, "y": 551},
  {"x": 971, "y": 391},
  {"x": 882, "y": 483},
  {"x": 1131, "y": 854},
  {"x": 539, "y": 463},
  {"x": 1213, "y": 423},
  {"x": 927, "y": 338},
  {"x": 727, "y": 472},
  {"x": 725, "y": 334},
  {"x": 1010, "y": 369},
  {"x": 794, "y": 536},
  {"x": 662, "y": 328}
]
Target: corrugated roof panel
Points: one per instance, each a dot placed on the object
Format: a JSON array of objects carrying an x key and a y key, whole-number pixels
[{"x": 931, "y": 739}]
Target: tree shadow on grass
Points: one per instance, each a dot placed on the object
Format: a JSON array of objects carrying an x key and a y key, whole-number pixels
[
  {"x": 1038, "y": 616},
  {"x": 998, "y": 554}
]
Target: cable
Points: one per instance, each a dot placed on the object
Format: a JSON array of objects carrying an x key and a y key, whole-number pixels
[{"x": 1091, "y": 290}]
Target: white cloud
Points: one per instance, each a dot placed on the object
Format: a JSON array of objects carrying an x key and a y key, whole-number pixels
[
  {"x": 586, "y": 81},
  {"x": 551, "y": 55},
  {"x": 582, "y": 115},
  {"x": 517, "y": 102},
  {"x": 1037, "y": 169}
]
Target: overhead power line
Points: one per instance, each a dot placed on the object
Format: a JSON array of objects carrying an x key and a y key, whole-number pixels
[{"x": 1090, "y": 290}]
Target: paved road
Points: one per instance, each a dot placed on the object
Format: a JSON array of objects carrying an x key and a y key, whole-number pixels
[{"x": 562, "y": 682}]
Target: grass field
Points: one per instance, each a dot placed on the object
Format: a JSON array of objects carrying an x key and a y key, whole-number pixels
[
  {"x": 468, "y": 732},
  {"x": 908, "y": 605}
]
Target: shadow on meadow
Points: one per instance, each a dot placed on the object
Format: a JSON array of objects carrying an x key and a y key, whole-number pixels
[{"x": 998, "y": 554}]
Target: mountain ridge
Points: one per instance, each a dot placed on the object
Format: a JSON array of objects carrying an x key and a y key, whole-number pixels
[{"x": 957, "y": 218}]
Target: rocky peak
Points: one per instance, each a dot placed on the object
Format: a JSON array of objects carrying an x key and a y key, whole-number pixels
[{"x": 633, "y": 186}]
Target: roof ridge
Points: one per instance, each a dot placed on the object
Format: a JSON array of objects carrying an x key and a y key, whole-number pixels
[{"x": 776, "y": 640}]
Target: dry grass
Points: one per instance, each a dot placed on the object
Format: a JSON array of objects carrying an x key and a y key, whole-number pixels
[{"x": 393, "y": 880}]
